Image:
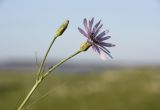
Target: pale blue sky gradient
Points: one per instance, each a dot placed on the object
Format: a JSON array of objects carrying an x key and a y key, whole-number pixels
[{"x": 27, "y": 26}]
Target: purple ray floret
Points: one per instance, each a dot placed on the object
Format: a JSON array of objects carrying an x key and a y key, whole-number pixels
[{"x": 95, "y": 37}]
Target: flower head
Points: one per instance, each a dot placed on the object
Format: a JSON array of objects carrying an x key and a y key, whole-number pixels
[{"x": 96, "y": 38}]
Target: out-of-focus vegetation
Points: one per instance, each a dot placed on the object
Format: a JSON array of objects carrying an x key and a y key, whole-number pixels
[{"x": 129, "y": 89}]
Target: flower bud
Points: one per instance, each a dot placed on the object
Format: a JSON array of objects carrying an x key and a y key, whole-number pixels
[
  {"x": 85, "y": 46},
  {"x": 62, "y": 28}
]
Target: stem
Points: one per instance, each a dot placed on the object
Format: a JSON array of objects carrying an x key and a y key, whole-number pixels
[
  {"x": 41, "y": 79},
  {"x": 29, "y": 95},
  {"x": 38, "y": 80},
  {"x": 58, "y": 64},
  {"x": 39, "y": 98},
  {"x": 44, "y": 59}
]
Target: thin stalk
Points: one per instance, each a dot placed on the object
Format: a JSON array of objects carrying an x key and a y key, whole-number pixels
[
  {"x": 28, "y": 95},
  {"x": 44, "y": 59},
  {"x": 39, "y": 81},
  {"x": 58, "y": 64},
  {"x": 38, "y": 99}
]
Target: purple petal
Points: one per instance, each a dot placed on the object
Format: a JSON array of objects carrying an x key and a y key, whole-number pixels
[
  {"x": 96, "y": 25},
  {"x": 104, "y": 38},
  {"x": 106, "y": 44},
  {"x": 103, "y": 55},
  {"x": 101, "y": 35},
  {"x": 106, "y": 52},
  {"x": 86, "y": 25},
  {"x": 96, "y": 48},
  {"x": 98, "y": 29},
  {"x": 82, "y": 32},
  {"x": 91, "y": 24},
  {"x": 105, "y": 49}
]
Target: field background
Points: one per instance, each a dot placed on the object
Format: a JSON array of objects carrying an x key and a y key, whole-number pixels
[{"x": 119, "y": 89}]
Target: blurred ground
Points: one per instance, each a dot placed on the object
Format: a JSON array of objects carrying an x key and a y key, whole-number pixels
[{"x": 123, "y": 89}]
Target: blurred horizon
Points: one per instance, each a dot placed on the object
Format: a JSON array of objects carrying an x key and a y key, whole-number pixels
[{"x": 75, "y": 65}]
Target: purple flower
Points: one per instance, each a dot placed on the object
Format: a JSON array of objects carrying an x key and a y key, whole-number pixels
[{"x": 96, "y": 38}]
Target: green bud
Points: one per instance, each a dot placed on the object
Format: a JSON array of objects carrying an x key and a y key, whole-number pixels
[
  {"x": 62, "y": 28},
  {"x": 85, "y": 46}
]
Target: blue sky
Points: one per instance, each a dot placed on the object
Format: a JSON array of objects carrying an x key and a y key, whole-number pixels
[{"x": 27, "y": 26}]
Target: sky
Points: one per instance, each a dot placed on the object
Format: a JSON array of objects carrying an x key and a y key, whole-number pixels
[{"x": 27, "y": 27}]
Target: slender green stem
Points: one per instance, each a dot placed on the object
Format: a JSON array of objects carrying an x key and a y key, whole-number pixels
[
  {"x": 44, "y": 59},
  {"x": 39, "y": 98},
  {"x": 38, "y": 80},
  {"x": 28, "y": 95},
  {"x": 41, "y": 79},
  {"x": 58, "y": 64}
]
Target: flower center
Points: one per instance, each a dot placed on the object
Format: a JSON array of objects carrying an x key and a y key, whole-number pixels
[{"x": 92, "y": 35}]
